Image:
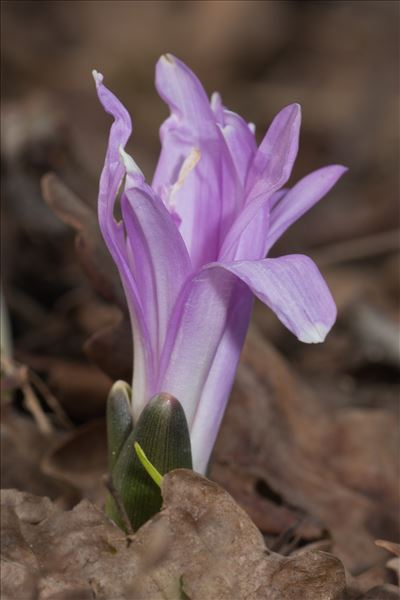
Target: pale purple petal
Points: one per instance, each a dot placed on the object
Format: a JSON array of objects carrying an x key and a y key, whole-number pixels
[
  {"x": 198, "y": 327},
  {"x": 269, "y": 171},
  {"x": 273, "y": 162},
  {"x": 295, "y": 290},
  {"x": 114, "y": 236},
  {"x": 208, "y": 328},
  {"x": 297, "y": 201},
  {"x": 251, "y": 244},
  {"x": 191, "y": 118},
  {"x": 207, "y": 199},
  {"x": 159, "y": 259},
  {"x": 277, "y": 197},
  {"x": 238, "y": 137},
  {"x": 113, "y": 171},
  {"x": 217, "y": 387},
  {"x": 217, "y": 108},
  {"x": 241, "y": 143},
  {"x": 182, "y": 91},
  {"x": 198, "y": 204}
]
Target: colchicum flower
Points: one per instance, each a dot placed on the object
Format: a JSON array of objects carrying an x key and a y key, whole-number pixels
[{"x": 191, "y": 247}]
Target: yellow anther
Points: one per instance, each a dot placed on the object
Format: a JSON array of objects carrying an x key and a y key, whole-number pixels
[{"x": 188, "y": 165}]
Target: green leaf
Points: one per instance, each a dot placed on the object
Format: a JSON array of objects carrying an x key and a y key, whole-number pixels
[
  {"x": 119, "y": 420},
  {"x": 163, "y": 435}
]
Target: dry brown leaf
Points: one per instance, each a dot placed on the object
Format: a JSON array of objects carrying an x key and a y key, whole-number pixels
[
  {"x": 279, "y": 432},
  {"x": 201, "y": 546},
  {"x": 22, "y": 448},
  {"x": 81, "y": 388},
  {"x": 393, "y": 563},
  {"x": 382, "y": 592},
  {"x": 64, "y": 462},
  {"x": 90, "y": 247},
  {"x": 111, "y": 349},
  {"x": 391, "y": 547},
  {"x": 376, "y": 575}
]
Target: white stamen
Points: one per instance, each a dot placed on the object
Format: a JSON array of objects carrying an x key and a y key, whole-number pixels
[
  {"x": 252, "y": 127},
  {"x": 188, "y": 165},
  {"x": 129, "y": 163}
]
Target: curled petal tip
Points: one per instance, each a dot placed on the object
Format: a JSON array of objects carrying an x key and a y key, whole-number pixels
[
  {"x": 314, "y": 334},
  {"x": 292, "y": 111},
  {"x": 98, "y": 77},
  {"x": 169, "y": 58},
  {"x": 216, "y": 99},
  {"x": 252, "y": 127},
  {"x": 296, "y": 108}
]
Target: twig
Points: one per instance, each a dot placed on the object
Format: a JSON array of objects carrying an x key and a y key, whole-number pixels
[
  {"x": 51, "y": 400},
  {"x": 32, "y": 404},
  {"x": 119, "y": 502},
  {"x": 286, "y": 536},
  {"x": 21, "y": 378},
  {"x": 19, "y": 375}
]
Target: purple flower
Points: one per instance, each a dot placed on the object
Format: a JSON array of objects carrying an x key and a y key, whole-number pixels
[{"x": 191, "y": 247}]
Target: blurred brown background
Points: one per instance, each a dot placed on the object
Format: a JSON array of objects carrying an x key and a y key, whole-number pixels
[{"x": 340, "y": 61}]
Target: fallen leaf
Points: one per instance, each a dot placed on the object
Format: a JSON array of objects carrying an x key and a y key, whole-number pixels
[
  {"x": 382, "y": 592},
  {"x": 111, "y": 349},
  {"x": 202, "y": 545},
  {"x": 81, "y": 388},
  {"x": 64, "y": 462},
  {"x": 22, "y": 448},
  {"x": 278, "y": 431},
  {"x": 393, "y": 563},
  {"x": 92, "y": 252},
  {"x": 391, "y": 547}
]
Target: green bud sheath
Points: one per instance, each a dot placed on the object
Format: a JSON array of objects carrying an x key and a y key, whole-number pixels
[
  {"x": 119, "y": 420},
  {"x": 163, "y": 434},
  {"x": 119, "y": 426}
]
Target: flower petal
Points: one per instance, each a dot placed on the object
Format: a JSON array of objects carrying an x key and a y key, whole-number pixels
[
  {"x": 182, "y": 91},
  {"x": 238, "y": 136},
  {"x": 209, "y": 324},
  {"x": 113, "y": 171},
  {"x": 277, "y": 197},
  {"x": 114, "y": 236},
  {"x": 297, "y": 201},
  {"x": 273, "y": 162},
  {"x": 216, "y": 389},
  {"x": 251, "y": 243},
  {"x": 295, "y": 290},
  {"x": 213, "y": 309},
  {"x": 268, "y": 172},
  {"x": 159, "y": 259},
  {"x": 190, "y": 115},
  {"x": 241, "y": 143},
  {"x": 207, "y": 200}
]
